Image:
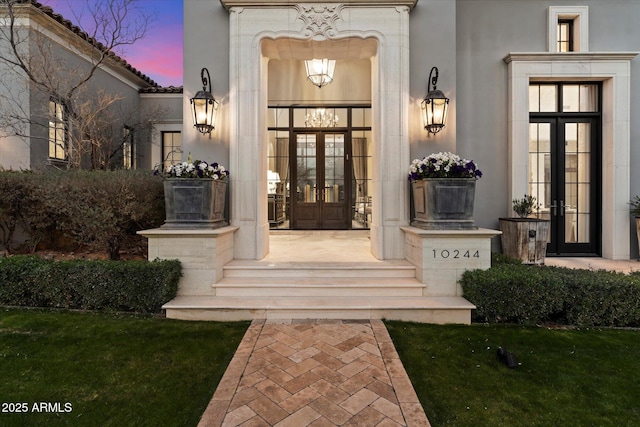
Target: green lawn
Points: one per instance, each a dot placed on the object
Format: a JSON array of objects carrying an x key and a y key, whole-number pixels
[
  {"x": 570, "y": 377},
  {"x": 109, "y": 370},
  {"x": 114, "y": 370}
]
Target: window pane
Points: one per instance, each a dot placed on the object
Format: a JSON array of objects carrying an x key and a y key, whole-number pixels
[
  {"x": 299, "y": 117},
  {"x": 357, "y": 117},
  {"x": 589, "y": 97},
  {"x": 540, "y": 166},
  {"x": 580, "y": 98},
  {"x": 324, "y": 117},
  {"x": 171, "y": 147},
  {"x": 548, "y": 98},
  {"x": 340, "y": 116},
  {"x": 534, "y": 98},
  {"x": 565, "y": 36},
  {"x": 57, "y": 133},
  {"x": 278, "y": 117},
  {"x": 361, "y": 199},
  {"x": 570, "y": 98},
  {"x": 542, "y": 98}
]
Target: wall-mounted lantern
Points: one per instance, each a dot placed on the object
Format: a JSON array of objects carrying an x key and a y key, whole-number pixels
[
  {"x": 204, "y": 106},
  {"x": 320, "y": 71},
  {"x": 434, "y": 106}
]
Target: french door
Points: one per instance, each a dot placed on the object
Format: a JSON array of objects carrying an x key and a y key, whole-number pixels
[
  {"x": 320, "y": 180},
  {"x": 564, "y": 176}
]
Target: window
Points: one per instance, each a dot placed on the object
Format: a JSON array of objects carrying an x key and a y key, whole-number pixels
[
  {"x": 171, "y": 147},
  {"x": 568, "y": 29},
  {"x": 57, "y": 131},
  {"x": 565, "y": 35},
  {"x": 128, "y": 148},
  {"x": 564, "y": 97}
]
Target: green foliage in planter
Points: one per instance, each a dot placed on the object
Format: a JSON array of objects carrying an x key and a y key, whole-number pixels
[
  {"x": 525, "y": 206},
  {"x": 138, "y": 286},
  {"x": 97, "y": 209},
  {"x": 513, "y": 293}
]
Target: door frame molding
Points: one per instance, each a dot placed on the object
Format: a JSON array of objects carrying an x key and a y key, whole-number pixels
[{"x": 614, "y": 71}]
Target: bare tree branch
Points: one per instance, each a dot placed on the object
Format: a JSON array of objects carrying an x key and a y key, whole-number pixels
[{"x": 107, "y": 29}]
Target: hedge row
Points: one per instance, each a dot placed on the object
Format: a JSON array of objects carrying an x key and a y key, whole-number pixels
[
  {"x": 138, "y": 286},
  {"x": 97, "y": 209},
  {"x": 517, "y": 293}
]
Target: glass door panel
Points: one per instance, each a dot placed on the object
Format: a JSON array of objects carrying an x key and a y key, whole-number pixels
[
  {"x": 320, "y": 181},
  {"x": 334, "y": 206},
  {"x": 577, "y": 194},
  {"x": 563, "y": 177},
  {"x": 305, "y": 180}
]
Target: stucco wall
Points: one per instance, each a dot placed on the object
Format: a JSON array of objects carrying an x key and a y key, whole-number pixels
[
  {"x": 123, "y": 112},
  {"x": 467, "y": 40},
  {"x": 206, "y": 44},
  {"x": 432, "y": 44},
  {"x": 34, "y": 103},
  {"x": 487, "y": 31}
]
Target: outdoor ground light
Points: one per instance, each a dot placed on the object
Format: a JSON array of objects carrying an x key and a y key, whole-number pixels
[
  {"x": 320, "y": 71},
  {"x": 204, "y": 106},
  {"x": 434, "y": 106}
]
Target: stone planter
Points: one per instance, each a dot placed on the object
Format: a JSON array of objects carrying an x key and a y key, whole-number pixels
[
  {"x": 194, "y": 203},
  {"x": 525, "y": 239},
  {"x": 444, "y": 204}
]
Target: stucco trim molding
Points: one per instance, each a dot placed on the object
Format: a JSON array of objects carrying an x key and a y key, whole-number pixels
[
  {"x": 613, "y": 69},
  {"x": 569, "y": 56},
  {"x": 228, "y": 4}
]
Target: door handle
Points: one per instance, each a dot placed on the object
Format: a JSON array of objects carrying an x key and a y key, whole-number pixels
[
  {"x": 562, "y": 207},
  {"x": 553, "y": 207}
]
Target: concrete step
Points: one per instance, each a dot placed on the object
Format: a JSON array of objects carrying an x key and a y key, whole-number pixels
[
  {"x": 319, "y": 287},
  {"x": 417, "y": 309},
  {"x": 241, "y": 268}
]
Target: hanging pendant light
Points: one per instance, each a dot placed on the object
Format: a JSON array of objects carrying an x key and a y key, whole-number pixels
[{"x": 320, "y": 71}]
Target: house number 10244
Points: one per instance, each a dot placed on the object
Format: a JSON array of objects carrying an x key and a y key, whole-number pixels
[{"x": 455, "y": 253}]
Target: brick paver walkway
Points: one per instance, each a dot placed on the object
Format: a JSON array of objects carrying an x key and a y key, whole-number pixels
[{"x": 315, "y": 373}]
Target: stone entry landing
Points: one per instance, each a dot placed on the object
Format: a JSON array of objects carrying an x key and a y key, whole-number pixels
[
  {"x": 315, "y": 373},
  {"x": 319, "y": 275}
]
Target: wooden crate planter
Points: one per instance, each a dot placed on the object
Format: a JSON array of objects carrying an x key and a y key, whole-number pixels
[{"x": 525, "y": 239}]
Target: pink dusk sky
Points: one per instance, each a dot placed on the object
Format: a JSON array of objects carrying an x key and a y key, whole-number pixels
[{"x": 159, "y": 54}]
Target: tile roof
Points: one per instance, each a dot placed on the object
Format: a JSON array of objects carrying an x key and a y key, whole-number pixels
[
  {"x": 160, "y": 89},
  {"x": 80, "y": 33}
]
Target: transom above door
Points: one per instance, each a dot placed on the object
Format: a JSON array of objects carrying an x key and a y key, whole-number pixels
[{"x": 319, "y": 165}]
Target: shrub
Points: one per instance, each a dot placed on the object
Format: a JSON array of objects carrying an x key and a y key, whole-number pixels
[
  {"x": 139, "y": 286},
  {"x": 97, "y": 209},
  {"x": 533, "y": 294}
]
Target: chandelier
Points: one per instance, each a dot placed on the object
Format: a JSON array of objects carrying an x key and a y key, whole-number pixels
[
  {"x": 320, "y": 71},
  {"x": 320, "y": 118}
]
